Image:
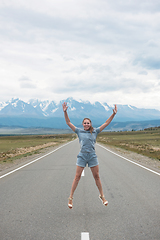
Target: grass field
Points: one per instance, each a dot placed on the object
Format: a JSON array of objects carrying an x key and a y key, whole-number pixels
[
  {"x": 12, "y": 147},
  {"x": 146, "y": 142}
]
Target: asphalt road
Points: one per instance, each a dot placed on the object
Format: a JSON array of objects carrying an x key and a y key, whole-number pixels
[{"x": 33, "y": 200}]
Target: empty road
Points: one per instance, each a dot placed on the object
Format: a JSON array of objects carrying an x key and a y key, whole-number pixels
[{"x": 33, "y": 200}]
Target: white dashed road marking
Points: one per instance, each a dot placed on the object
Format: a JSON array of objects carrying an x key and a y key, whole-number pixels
[
  {"x": 84, "y": 236},
  {"x": 82, "y": 173}
]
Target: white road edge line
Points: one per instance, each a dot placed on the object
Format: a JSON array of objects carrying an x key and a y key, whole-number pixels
[
  {"x": 128, "y": 160},
  {"x": 35, "y": 160},
  {"x": 82, "y": 173},
  {"x": 84, "y": 236}
]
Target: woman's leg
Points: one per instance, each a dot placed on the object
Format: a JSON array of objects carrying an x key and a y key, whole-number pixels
[
  {"x": 95, "y": 172},
  {"x": 75, "y": 182}
]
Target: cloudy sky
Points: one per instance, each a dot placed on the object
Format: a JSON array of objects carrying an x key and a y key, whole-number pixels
[{"x": 96, "y": 50}]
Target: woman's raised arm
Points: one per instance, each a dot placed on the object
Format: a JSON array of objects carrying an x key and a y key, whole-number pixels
[
  {"x": 104, "y": 125},
  {"x": 67, "y": 118}
]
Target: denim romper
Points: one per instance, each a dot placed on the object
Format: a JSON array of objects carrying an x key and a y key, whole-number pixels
[{"x": 87, "y": 142}]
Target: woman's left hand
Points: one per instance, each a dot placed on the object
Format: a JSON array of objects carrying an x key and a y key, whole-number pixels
[{"x": 115, "y": 109}]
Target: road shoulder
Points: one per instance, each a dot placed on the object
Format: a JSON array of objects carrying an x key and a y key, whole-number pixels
[{"x": 151, "y": 163}]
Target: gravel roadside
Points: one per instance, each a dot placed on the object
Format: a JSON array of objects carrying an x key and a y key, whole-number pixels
[
  {"x": 8, "y": 166},
  {"x": 151, "y": 163}
]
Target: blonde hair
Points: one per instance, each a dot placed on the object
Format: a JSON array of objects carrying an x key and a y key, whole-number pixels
[{"x": 91, "y": 128}]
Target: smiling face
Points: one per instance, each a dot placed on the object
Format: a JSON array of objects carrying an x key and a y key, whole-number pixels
[{"x": 86, "y": 124}]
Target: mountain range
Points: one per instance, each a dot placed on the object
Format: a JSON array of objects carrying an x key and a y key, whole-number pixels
[{"x": 36, "y": 113}]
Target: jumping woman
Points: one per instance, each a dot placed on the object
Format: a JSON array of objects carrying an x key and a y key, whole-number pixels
[{"x": 87, "y": 138}]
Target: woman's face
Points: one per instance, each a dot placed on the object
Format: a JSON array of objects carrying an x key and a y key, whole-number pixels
[{"x": 86, "y": 124}]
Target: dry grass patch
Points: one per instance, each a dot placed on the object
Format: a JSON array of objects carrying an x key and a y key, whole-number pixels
[
  {"x": 12, "y": 147},
  {"x": 145, "y": 142}
]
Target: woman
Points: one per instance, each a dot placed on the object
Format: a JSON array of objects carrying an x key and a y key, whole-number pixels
[{"x": 87, "y": 155}]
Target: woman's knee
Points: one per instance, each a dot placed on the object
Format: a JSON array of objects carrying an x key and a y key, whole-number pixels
[
  {"x": 77, "y": 177},
  {"x": 96, "y": 176}
]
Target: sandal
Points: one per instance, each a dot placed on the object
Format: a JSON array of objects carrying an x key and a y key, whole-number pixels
[
  {"x": 70, "y": 205},
  {"x": 104, "y": 203}
]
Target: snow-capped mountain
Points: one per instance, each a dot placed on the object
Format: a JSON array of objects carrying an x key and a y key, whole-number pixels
[
  {"x": 17, "y": 107},
  {"x": 46, "y": 108},
  {"x": 48, "y": 114},
  {"x": 76, "y": 110}
]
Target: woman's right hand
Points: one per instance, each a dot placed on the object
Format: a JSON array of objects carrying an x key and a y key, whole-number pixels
[{"x": 64, "y": 107}]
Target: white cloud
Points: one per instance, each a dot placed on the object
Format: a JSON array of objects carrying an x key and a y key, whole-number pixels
[
  {"x": 94, "y": 50},
  {"x": 27, "y": 85},
  {"x": 24, "y": 78}
]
